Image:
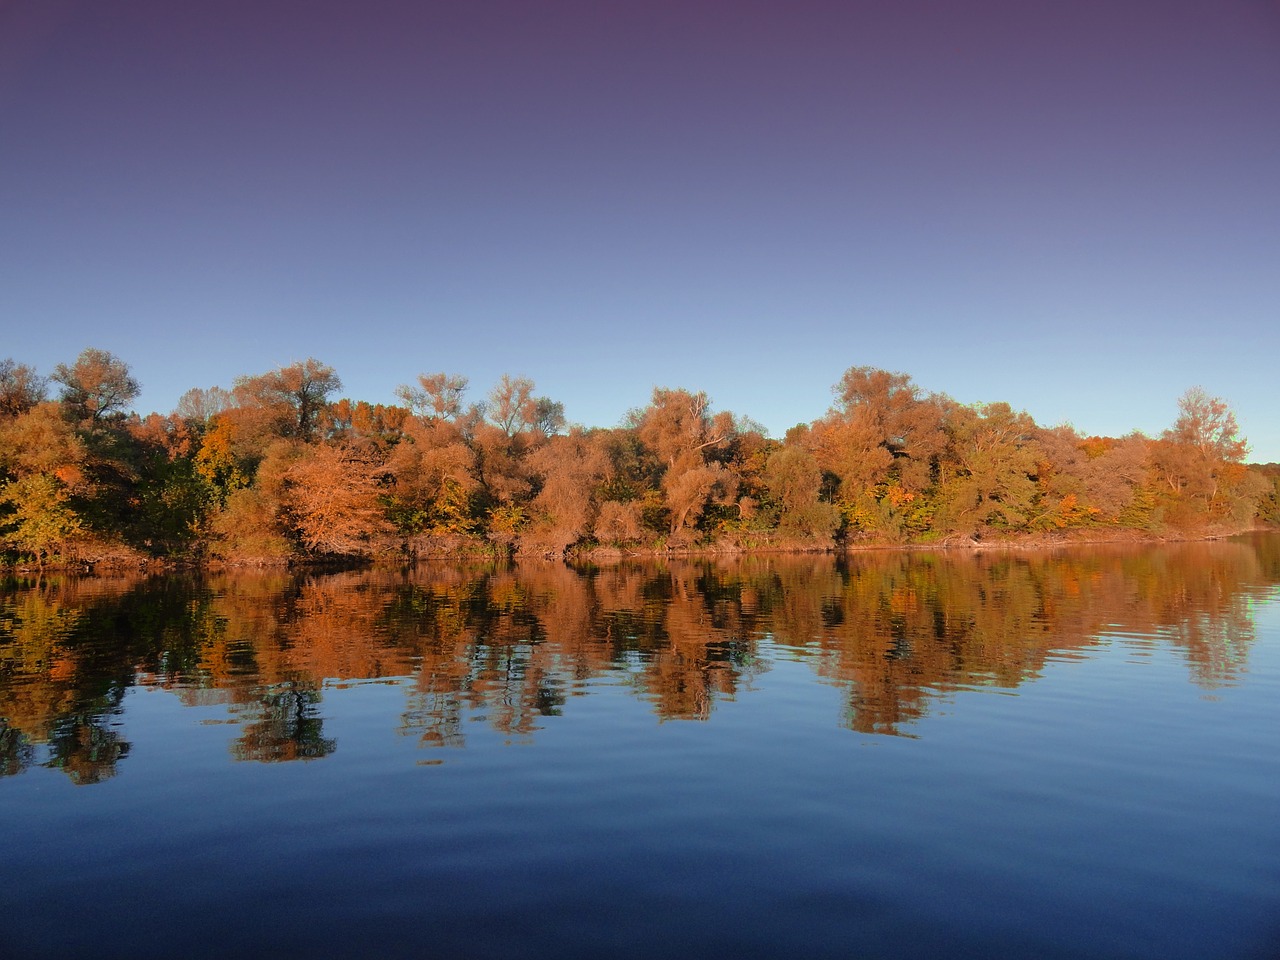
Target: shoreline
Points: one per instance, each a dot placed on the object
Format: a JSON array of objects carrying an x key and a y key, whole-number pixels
[{"x": 609, "y": 555}]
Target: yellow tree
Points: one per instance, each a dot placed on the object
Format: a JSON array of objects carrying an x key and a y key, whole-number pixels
[{"x": 42, "y": 521}]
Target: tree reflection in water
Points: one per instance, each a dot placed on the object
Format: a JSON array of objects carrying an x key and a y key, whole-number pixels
[{"x": 514, "y": 644}]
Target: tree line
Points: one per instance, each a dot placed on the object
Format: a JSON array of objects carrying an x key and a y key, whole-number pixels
[{"x": 281, "y": 468}]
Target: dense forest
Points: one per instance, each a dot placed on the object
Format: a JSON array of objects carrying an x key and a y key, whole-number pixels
[{"x": 280, "y": 468}]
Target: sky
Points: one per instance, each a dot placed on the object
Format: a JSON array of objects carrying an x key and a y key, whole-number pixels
[{"x": 1070, "y": 207}]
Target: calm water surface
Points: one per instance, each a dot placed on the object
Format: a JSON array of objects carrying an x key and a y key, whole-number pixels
[{"x": 899, "y": 755}]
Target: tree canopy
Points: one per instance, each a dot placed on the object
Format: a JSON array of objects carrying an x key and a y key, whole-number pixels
[{"x": 279, "y": 468}]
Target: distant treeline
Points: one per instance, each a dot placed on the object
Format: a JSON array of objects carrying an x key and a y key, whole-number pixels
[{"x": 279, "y": 469}]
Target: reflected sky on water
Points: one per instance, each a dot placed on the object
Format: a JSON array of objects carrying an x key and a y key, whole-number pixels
[{"x": 1063, "y": 753}]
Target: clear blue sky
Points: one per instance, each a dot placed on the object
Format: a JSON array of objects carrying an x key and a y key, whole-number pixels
[{"x": 1073, "y": 207}]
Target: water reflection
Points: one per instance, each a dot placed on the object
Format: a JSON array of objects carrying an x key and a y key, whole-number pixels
[{"x": 515, "y": 644}]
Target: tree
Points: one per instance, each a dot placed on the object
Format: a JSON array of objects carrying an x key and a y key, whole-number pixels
[
  {"x": 570, "y": 469},
  {"x": 42, "y": 441},
  {"x": 331, "y": 499},
  {"x": 372, "y": 425},
  {"x": 434, "y": 475},
  {"x": 1084, "y": 482},
  {"x": 882, "y": 441},
  {"x": 291, "y": 397},
  {"x": 795, "y": 482},
  {"x": 678, "y": 427},
  {"x": 42, "y": 521},
  {"x": 1200, "y": 459},
  {"x": 200, "y": 406},
  {"x": 21, "y": 388},
  {"x": 881, "y": 429},
  {"x": 438, "y": 396},
  {"x": 1208, "y": 425},
  {"x": 619, "y": 523},
  {"x": 548, "y": 416},
  {"x": 512, "y": 406},
  {"x": 988, "y": 475},
  {"x": 97, "y": 385},
  {"x": 675, "y": 423},
  {"x": 218, "y": 461}
]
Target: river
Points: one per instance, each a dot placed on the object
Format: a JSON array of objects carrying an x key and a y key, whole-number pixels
[{"x": 1058, "y": 754}]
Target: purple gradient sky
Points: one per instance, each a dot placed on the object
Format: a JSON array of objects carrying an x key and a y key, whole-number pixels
[{"x": 1074, "y": 206}]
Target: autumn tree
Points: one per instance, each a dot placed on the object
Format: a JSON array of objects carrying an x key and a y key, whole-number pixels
[
  {"x": 988, "y": 475},
  {"x": 505, "y": 479},
  {"x": 744, "y": 453},
  {"x": 331, "y": 499},
  {"x": 251, "y": 524},
  {"x": 247, "y": 528},
  {"x": 675, "y": 424},
  {"x": 221, "y": 459},
  {"x": 882, "y": 439},
  {"x": 569, "y": 469},
  {"x": 1268, "y": 485},
  {"x": 47, "y": 465},
  {"x": 619, "y": 522},
  {"x": 795, "y": 483},
  {"x": 200, "y": 406},
  {"x": 173, "y": 497},
  {"x": 1208, "y": 425},
  {"x": 21, "y": 388},
  {"x": 40, "y": 519},
  {"x": 289, "y": 399},
  {"x": 516, "y": 423},
  {"x": 438, "y": 396},
  {"x": 1200, "y": 462},
  {"x": 511, "y": 404},
  {"x": 630, "y": 499},
  {"x": 434, "y": 478},
  {"x": 40, "y": 440},
  {"x": 375, "y": 427},
  {"x": 512, "y": 407},
  {"x": 96, "y": 386},
  {"x": 678, "y": 427},
  {"x": 1089, "y": 481}
]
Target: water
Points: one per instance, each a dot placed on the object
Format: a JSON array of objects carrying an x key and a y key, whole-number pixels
[{"x": 898, "y": 755}]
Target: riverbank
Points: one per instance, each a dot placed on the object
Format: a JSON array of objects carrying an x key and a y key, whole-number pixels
[{"x": 122, "y": 559}]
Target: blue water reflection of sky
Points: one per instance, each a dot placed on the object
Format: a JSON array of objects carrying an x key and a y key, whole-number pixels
[{"x": 1107, "y": 807}]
